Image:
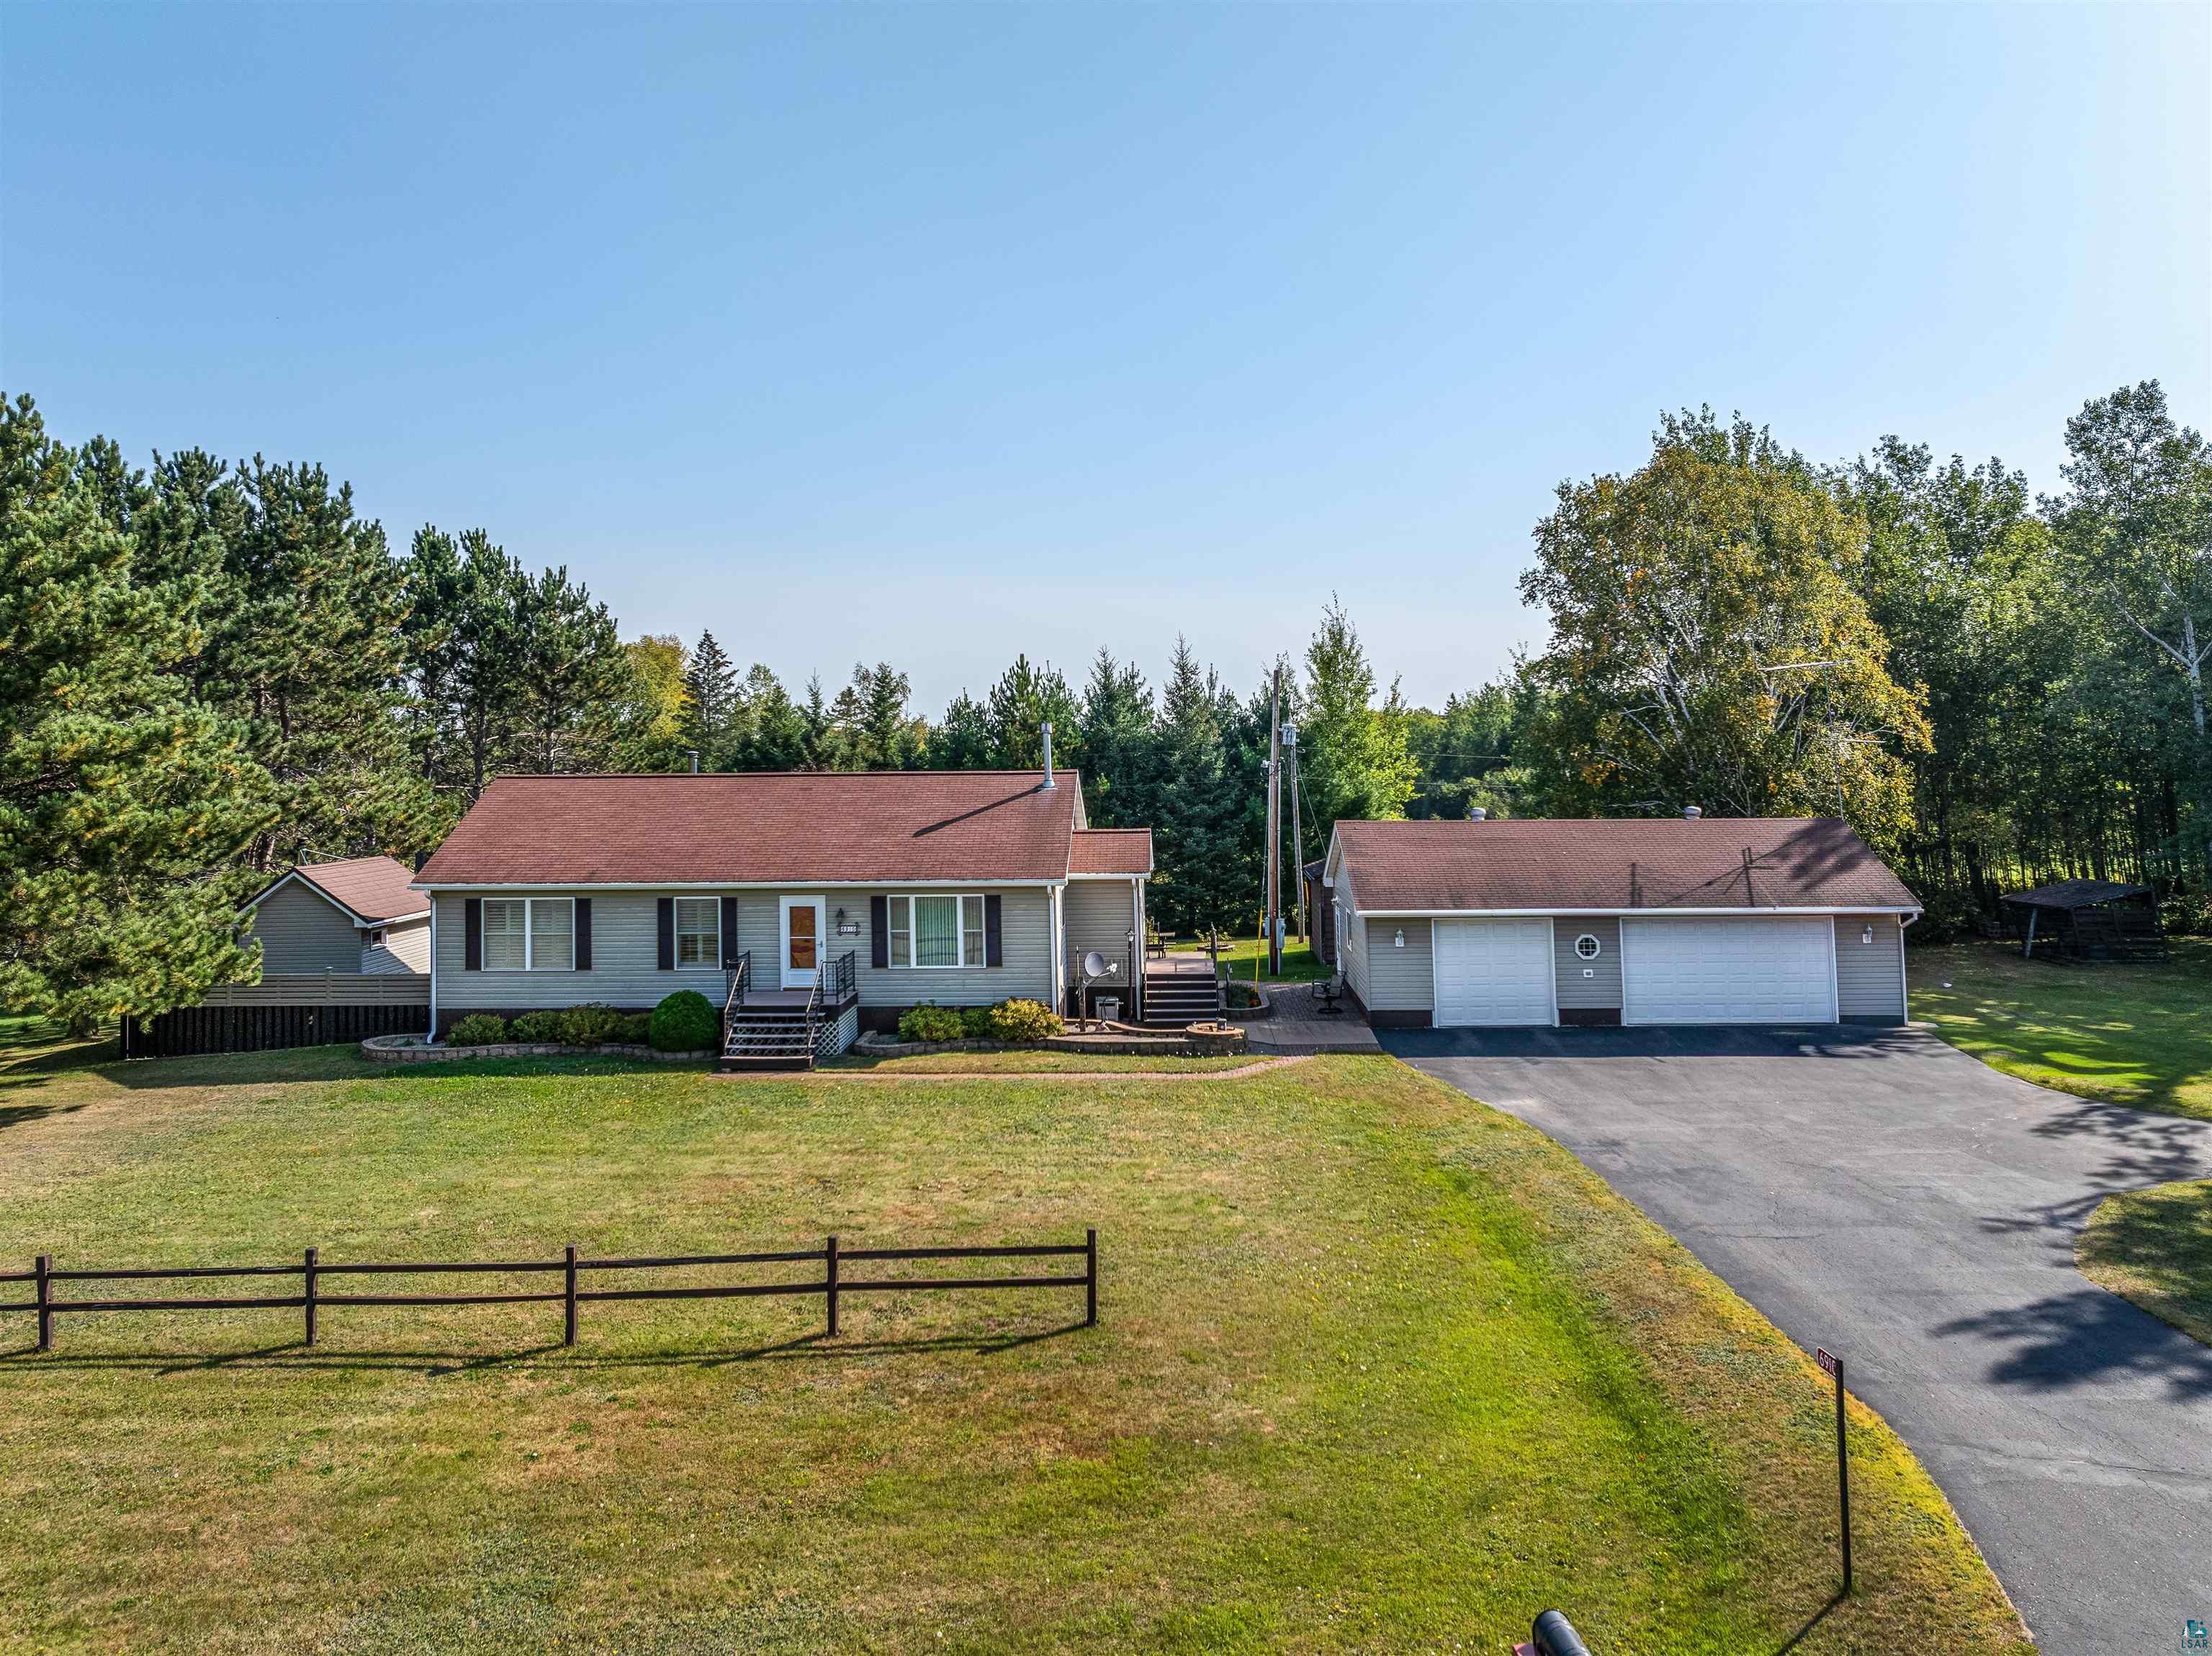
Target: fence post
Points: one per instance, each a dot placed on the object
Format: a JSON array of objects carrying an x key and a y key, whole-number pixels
[
  {"x": 1842, "y": 1476},
  {"x": 568, "y": 1296},
  {"x": 829, "y": 1258},
  {"x": 307, "y": 1275},
  {"x": 43, "y": 1266},
  {"x": 1091, "y": 1278}
]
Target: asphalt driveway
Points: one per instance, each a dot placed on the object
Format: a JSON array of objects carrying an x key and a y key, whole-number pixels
[{"x": 1889, "y": 1197}]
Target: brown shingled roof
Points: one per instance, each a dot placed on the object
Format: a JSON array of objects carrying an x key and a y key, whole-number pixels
[
  {"x": 374, "y": 887},
  {"x": 1654, "y": 863},
  {"x": 796, "y": 826},
  {"x": 1111, "y": 850}
]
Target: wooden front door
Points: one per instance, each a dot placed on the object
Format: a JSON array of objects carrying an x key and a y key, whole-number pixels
[{"x": 802, "y": 941}]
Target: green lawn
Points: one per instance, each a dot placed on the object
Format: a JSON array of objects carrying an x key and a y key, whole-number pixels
[
  {"x": 1379, "y": 1369},
  {"x": 2154, "y": 1247},
  {"x": 2125, "y": 1034},
  {"x": 1241, "y": 956}
]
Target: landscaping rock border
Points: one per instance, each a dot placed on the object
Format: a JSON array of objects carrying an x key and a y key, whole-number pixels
[
  {"x": 1117, "y": 1042},
  {"x": 412, "y": 1049}
]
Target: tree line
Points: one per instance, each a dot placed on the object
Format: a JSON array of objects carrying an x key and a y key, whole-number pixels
[{"x": 211, "y": 669}]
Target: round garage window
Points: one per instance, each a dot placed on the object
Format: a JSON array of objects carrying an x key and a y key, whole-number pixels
[{"x": 1588, "y": 947}]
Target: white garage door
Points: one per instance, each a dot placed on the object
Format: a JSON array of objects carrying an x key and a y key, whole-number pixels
[
  {"x": 1728, "y": 971},
  {"x": 1493, "y": 972}
]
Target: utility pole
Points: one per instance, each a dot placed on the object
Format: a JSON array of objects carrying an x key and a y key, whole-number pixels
[
  {"x": 1298, "y": 833},
  {"x": 1274, "y": 921}
]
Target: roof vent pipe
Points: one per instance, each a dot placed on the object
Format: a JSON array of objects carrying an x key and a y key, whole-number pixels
[
  {"x": 1691, "y": 813},
  {"x": 694, "y": 752},
  {"x": 1476, "y": 813},
  {"x": 1048, "y": 782}
]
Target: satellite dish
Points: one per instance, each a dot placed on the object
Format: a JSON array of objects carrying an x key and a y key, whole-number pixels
[{"x": 1096, "y": 965}]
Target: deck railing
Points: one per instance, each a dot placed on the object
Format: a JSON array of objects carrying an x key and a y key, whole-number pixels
[{"x": 833, "y": 981}]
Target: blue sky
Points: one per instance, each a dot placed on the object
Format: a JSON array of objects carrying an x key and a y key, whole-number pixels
[{"x": 933, "y": 333}]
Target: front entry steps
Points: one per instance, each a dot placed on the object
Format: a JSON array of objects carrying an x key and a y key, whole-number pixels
[
  {"x": 1176, "y": 1000},
  {"x": 768, "y": 1038}
]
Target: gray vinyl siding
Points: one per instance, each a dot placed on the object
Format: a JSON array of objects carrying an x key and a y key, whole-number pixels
[
  {"x": 626, "y": 951},
  {"x": 1869, "y": 976},
  {"x": 1403, "y": 980},
  {"x": 1600, "y": 991},
  {"x": 1025, "y": 941},
  {"x": 406, "y": 948},
  {"x": 1099, "y": 914},
  {"x": 300, "y": 932},
  {"x": 1352, "y": 937}
]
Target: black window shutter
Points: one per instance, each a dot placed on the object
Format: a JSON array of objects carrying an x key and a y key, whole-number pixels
[
  {"x": 879, "y": 931},
  {"x": 993, "y": 953},
  {"x": 583, "y": 934},
  {"x": 667, "y": 907},
  {"x": 473, "y": 934},
  {"x": 729, "y": 932}
]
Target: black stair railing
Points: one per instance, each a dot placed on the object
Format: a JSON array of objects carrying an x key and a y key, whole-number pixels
[{"x": 740, "y": 975}]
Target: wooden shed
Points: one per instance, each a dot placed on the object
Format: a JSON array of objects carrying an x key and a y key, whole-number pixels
[{"x": 2086, "y": 920}]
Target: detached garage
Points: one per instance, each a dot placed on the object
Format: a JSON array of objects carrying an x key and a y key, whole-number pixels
[{"x": 1689, "y": 920}]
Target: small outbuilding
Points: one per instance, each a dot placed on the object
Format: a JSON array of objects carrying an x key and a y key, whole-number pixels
[{"x": 2086, "y": 920}]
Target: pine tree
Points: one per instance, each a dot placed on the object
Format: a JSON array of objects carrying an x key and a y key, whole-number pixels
[
  {"x": 123, "y": 804},
  {"x": 1019, "y": 705},
  {"x": 1353, "y": 755},
  {"x": 574, "y": 680},
  {"x": 304, "y": 645},
  {"x": 960, "y": 741},
  {"x": 1202, "y": 878},
  {"x": 710, "y": 696},
  {"x": 776, "y": 732},
  {"x": 1120, "y": 764}
]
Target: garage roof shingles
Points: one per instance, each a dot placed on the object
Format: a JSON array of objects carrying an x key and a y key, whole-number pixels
[
  {"x": 1640, "y": 863},
  {"x": 374, "y": 887},
  {"x": 760, "y": 828}
]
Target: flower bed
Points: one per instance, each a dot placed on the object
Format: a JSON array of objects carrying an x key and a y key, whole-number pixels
[
  {"x": 413, "y": 1049},
  {"x": 1122, "y": 1041}
]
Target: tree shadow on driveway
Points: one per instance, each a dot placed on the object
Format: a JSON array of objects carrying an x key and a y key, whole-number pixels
[{"x": 2084, "y": 1335}]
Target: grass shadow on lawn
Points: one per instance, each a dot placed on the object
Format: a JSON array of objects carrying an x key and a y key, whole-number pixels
[{"x": 2136, "y": 1033}]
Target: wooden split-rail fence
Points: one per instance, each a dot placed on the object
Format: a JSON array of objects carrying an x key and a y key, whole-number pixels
[{"x": 311, "y": 1269}]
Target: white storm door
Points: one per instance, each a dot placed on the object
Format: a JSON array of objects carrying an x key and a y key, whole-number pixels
[
  {"x": 1726, "y": 970},
  {"x": 801, "y": 931},
  {"x": 1493, "y": 972}
]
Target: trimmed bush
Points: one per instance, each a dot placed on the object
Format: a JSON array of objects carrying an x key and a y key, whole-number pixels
[
  {"x": 636, "y": 1031},
  {"x": 1243, "y": 994},
  {"x": 975, "y": 1022},
  {"x": 1024, "y": 1020},
  {"x": 477, "y": 1029},
  {"x": 685, "y": 1023},
  {"x": 930, "y": 1023},
  {"x": 589, "y": 1024},
  {"x": 536, "y": 1028}
]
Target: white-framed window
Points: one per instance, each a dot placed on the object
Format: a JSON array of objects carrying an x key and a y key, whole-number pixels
[
  {"x": 937, "y": 932},
  {"x": 1588, "y": 947},
  {"x": 698, "y": 932},
  {"x": 376, "y": 938},
  {"x": 533, "y": 934}
]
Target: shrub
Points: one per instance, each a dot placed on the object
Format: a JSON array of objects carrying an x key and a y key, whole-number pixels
[
  {"x": 1024, "y": 1020},
  {"x": 537, "y": 1028},
  {"x": 931, "y": 1023},
  {"x": 685, "y": 1023},
  {"x": 636, "y": 1031},
  {"x": 1241, "y": 994},
  {"x": 975, "y": 1022},
  {"x": 589, "y": 1025},
  {"x": 477, "y": 1029}
]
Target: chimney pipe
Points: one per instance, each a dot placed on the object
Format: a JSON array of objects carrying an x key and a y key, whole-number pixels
[
  {"x": 1691, "y": 813},
  {"x": 1476, "y": 813},
  {"x": 694, "y": 752},
  {"x": 1048, "y": 782}
]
